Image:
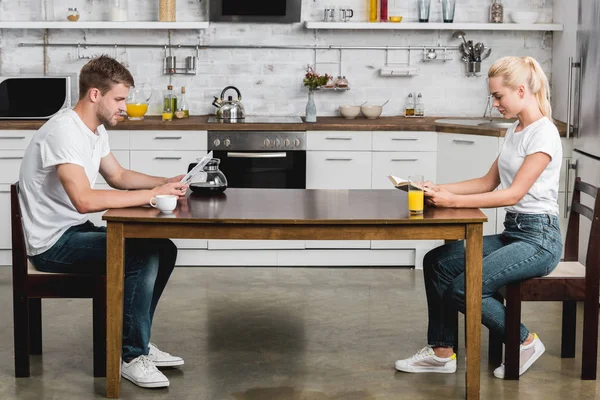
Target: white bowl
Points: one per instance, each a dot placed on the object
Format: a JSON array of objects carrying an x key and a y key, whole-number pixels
[
  {"x": 525, "y": 17},
  {"x": 371, "y": 112},
  {"x": 349, "y": 112}
]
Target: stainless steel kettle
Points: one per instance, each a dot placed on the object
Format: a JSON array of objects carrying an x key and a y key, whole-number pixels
[{"x": 229, "y": 110}]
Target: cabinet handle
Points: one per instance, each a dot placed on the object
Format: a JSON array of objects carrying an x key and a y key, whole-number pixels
[
  {"x": 569, "y": 167},
  {"x": 167, "y": 158},
  {"x": 168, "y": 138},
  {"x": 338, "y": 159},
  {"x": 12, "y": 137},
  {"x": 405, "y": 139},
  {"x": 338, "y": 138},
  {"x": 463, "y": 141},
  {"x": 405, "y": 159},
  {"x": 11, "y": 158},
  {"x": 4, "y": 191}
]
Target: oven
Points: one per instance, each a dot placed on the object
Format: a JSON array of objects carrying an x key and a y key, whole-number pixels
[
  {"x": 261, "y": 159},
  {"x": 274, "y": 11}
]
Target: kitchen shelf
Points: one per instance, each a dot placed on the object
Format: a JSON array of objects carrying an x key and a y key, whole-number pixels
[
  {"x": 427, "y": 26},
  {"x": 102, "y": 25}
]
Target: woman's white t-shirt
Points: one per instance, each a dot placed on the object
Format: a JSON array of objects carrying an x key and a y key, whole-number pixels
[
  {"x": 540, "y": 136},
  {"x": 46, "y": 208}
]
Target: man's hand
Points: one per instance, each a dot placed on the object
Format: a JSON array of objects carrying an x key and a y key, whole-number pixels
[
  {"x": 175, "y": 179},
  {"x": 440, "y": 197},
  {"x": 432, "y": 186},
  {"x": 173, "y": 188}
]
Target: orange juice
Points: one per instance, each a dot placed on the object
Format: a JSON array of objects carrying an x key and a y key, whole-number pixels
[
  {"x": 415, "y": 201},
  {"x": 137, "y": 111}
]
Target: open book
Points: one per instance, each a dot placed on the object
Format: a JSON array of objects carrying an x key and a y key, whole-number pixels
[{"x": 402, "y": 184}]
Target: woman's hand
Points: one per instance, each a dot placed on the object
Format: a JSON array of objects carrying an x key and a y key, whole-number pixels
[{"x": 440, "y": 197}]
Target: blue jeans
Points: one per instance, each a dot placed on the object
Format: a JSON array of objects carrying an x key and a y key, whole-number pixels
[
  {"x": 148, "y": 265},
  {"x": 530, "y": 246}
]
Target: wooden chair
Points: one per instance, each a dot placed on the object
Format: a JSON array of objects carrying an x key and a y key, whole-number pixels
[
  {"x": 31, "y": 285},
  {"x": 569, "y": 283}
]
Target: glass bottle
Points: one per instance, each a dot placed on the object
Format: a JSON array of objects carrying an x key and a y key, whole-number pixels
[
  {"x": 72, "y": 14},
  {"x": 118, "y": 10},
  {"x": 183, "y": 110},
  {"x": 170, "y": 99},
  {"x": 497, "y": 12},
  {"x": 383, "y": 11},
  {"x": 410, "y": 106},
  {"x": 420, "y": 106},
  {"x": 372, "y": 10},
  {"x": 341, "y": 82}
]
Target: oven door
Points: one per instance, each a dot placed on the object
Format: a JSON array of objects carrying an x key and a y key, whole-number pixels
[
  {"x": 263, "y": 169},
  {"x": 275, "y": 11}
]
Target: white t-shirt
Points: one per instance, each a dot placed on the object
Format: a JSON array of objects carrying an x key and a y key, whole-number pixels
[
  {"x": 540, "y": 136},
  {"x": 46, "y": 207}
]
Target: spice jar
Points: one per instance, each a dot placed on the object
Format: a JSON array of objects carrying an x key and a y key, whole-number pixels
[
  {"x": 73, "y": 14},
  {"x": 341, "y": 82},
  {"x": 497, "y": 12},
  {"x": 166, "y": 10}
]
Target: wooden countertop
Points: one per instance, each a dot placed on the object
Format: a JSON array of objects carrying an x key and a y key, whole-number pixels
[{"x": 199, "y": 122}]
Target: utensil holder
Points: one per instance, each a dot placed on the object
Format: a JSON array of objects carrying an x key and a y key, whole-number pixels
[{"x": 473, "y": 68}]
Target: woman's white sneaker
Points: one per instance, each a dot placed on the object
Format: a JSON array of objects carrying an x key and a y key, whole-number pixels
[
  {"x": 143, "y": 372},
  {"x": 426, "y": 361},
  {"x": 528, "y": 355}
]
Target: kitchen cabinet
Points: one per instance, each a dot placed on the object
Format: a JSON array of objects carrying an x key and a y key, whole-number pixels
[
  {"x": 5, "y": 229},
  {"x": 15, "y": 139}
]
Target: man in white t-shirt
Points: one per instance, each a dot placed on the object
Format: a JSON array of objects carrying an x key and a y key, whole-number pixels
[{"x": 57, "y": 180}]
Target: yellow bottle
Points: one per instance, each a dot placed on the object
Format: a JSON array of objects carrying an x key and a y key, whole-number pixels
[
  {"x": 373, "y": 11},
  {"x": 416, "y": 201}
]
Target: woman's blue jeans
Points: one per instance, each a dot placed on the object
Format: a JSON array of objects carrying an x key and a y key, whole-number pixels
[
  {"x": 148, "y": 265},
  {"x": 530, "y": 246}
]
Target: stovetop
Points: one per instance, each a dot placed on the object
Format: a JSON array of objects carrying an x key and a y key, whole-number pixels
[{"x": 261, "y": 120}]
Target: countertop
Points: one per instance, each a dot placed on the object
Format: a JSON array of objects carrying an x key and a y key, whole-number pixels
[{"x": 199, "y": 122}]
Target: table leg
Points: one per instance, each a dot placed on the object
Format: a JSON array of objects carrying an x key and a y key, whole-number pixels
[
  {"x": 473, "y": 265},
  {"x": 115, "y": 258}
]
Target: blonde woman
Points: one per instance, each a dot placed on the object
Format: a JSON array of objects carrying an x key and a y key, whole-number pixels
[{"x": 527, "y": 171}]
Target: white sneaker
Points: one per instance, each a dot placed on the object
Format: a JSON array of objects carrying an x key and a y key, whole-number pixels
[
  {"x": 426, "y": 361},
  {"x": 143, "y": 373},
  {"x": 163, "y": 359},
  {"x": 528, "y": 355}
]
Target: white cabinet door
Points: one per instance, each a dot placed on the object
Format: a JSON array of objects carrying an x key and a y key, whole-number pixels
[
  {"x": 404, "y": 141},
  {"x": 338, "y": 170},
  {"x": 5, "y": 227},
  {"x": 122, "y": 157},
  {"x": 168, "y": 140},
  {"x": 10, "y": 163},
  {"x": 15, "y": 139},
  {"x": 118, "y": 140},
  {"x": 339, "y": 140},
  {"x": 162, "y": 163},
  {"x": 403, "y": 165}
]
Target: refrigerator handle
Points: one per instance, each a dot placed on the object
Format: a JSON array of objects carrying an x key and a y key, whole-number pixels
[
  {"x": 571, "y": 127},
  {"x": 576, "y": 125}
]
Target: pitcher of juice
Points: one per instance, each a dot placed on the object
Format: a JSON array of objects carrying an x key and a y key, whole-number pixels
[{"x": 137, "y": 102}]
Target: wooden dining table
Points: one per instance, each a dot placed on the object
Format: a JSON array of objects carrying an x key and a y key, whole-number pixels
[{"x": 295, "y": 214}]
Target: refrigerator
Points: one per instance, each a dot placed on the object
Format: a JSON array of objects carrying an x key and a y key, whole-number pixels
[{"x": 586, "y": 118}]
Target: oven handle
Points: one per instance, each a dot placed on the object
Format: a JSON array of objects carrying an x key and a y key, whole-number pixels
[{"x": 257, "y": 155}]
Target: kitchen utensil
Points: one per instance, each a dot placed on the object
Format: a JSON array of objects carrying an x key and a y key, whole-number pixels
[
  {"x": 364, "y": 103},
  {"x": 349, "y": 112},
  {"x": 460, "y": 35},
  {"x": 478, "y": 49},
  {"x": 229, "y": 110},
  {"x": 448, "y": 7},
  {"x": 524, "y": 17},
  {"x": 371, "y": 112},
  {"x": 465, "y": 58},
  {"x": 196, "y": 168},
  {"x": 137, "y": 102},
  {"x": 486, "y": 53},
  {"x": 387, "y": 101},
  {"x": 215, "y": 182}
]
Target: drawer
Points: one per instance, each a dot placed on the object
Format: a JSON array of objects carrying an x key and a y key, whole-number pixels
[
  {"x": 404, "y": 141},
  {"x": 118, "y": 140},
  {"x": 122, "y": 157},
  {"x": 168, "y": 140},
  {"x": 338, "y": 170},
  {"x": 339, "y": 140},
  {"x": 162, "y": 163},
  {"x": 15, "y": 139},
  {"x": 5, "y": 228},
  {"x": 255, "y": 244},
  {"x": 402, "y": 165},
  {"x": 10, "y": 163}
]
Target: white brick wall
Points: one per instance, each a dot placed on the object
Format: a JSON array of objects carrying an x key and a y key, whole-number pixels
[{"x": 271, "y": 80}]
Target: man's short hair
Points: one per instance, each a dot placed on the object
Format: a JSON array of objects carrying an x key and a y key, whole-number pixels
[{"x": 103, "y": 73}]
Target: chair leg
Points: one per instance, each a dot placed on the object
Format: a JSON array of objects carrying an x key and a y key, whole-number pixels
[
  {"x": 569, "y": 327},
  {"x": 21, "y": 335},
  {"x": 456, "y": 332},
  {"x": 495, "y": 342},
  {"x": 590, "y": 329},
  {"x": 99, "y": 331},
  {"x": 35, "y": 326},
  {"x": 513, "y": 322}
]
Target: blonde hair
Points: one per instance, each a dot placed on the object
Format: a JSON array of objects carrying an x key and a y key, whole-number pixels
[{"x": 525, "y": 71}]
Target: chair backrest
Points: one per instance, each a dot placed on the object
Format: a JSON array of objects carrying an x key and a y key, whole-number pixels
[
  {"x": 578, "y": 210},
  {"x": 19, "y": 252}
]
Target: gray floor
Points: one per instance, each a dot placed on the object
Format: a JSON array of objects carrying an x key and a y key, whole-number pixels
[{"x": 282, "y": 334}]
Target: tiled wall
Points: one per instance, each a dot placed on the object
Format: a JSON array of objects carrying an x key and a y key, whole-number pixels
[{"x": 271, "y": 80}]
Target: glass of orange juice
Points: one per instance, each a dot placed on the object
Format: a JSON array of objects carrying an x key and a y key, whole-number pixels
[{"x": 416, "y": 197}]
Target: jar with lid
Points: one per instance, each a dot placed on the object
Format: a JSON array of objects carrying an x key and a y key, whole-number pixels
[
  {"x": 166, "y": 10},
  {"x": 341, "y": 82},
  {"x": 215, "y": 181},
  {"x": 73, "y": 14},
  {"x": 419, "y": 106},
  {"x": 497, "y": 12},
  {"x": 410, "y": 106},
  {"x": 118, "y": 10}
]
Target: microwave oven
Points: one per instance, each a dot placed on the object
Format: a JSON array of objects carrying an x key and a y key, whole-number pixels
[
  {"x": 275, "y": 11},
  {"x": 36, "y": 97}
]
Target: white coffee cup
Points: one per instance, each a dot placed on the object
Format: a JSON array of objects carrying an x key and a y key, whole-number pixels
[{"x": 166, "y": 203}]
